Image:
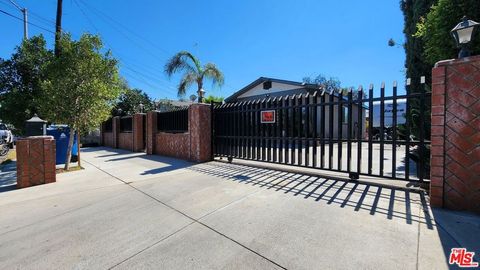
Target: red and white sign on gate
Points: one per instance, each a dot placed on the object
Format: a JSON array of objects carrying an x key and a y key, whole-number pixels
[{"x": 268, "y": 117}]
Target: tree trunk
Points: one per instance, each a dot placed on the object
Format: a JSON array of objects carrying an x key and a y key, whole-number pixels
[
  {"x": 200, "y": 86},
  {"x": 69, "y": 149},
  {"x": 78, "y": 150}
]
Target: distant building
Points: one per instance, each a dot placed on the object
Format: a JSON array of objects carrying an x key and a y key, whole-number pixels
[
  {"x": 269, "y": 88},
  {"x": 163, "y": 105},
  {"x": 388, "y": 113}
]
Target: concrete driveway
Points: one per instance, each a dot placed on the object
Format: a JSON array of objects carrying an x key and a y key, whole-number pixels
[{"x": 132, "y": 211}]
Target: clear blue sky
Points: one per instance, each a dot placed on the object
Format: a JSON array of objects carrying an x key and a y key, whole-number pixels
[{"x": 247, "y": 39}]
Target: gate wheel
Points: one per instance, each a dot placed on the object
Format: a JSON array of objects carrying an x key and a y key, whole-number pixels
[
  {"x": 230, "y": 159},
  {"x": 353, "y": 176}
]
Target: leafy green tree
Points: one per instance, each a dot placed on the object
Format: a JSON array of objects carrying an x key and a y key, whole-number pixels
[
  {"x": 129, "y": 102},
  {"x": 415, "y": 63},
  {"x": 328, "y": 84},
  {"x": 435, "y": 28},
  {"x": 80, "y": 86},
  {"x": 164, "y": 105},
  {"x": 331, "y": 84},
  {"x": 193, "y": 72},
  {"x": 20, "y": 79},
  {"x": 212, "y": 98}
]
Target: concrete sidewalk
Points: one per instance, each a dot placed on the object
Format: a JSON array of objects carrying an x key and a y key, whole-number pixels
[{"x": 132, "y": 211}]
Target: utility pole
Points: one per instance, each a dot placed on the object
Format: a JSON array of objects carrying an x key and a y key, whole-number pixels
[
  {"x": 58, "y": 27},
  {"x": 25, "y": 19}
]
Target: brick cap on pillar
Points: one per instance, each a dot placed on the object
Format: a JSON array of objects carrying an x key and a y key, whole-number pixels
[
  {"x": 200, "y": 104},
  {"x": 37, "y": 137},
  {"x": 457, "y": 61}
]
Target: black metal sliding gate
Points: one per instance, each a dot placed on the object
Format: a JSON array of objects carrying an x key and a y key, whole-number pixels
[{"x": 356, "y": 133}]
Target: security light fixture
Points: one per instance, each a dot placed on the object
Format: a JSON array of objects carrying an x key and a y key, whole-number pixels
[
  {"x": 463, "y": 33},
  {"x": 201, "y": 94}
]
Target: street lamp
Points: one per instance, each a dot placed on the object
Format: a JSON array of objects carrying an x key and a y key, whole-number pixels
[
  {"x": 463, "y": 33},
  {"x": 201, "y": 93}
]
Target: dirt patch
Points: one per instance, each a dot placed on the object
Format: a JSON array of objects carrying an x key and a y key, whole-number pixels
[
  {"x": 10, "y": 157},
  {"x": 72, "y": 169}
]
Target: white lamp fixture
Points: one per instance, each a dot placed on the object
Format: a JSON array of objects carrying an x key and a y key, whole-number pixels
[
  {"x": 201, "y": 94},
  {"x": 463, "y": 33}
]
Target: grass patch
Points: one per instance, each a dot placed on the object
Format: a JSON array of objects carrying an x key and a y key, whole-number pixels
[
  {"x": 10, "y": 157},
  {"x": 72, "y": 169}
]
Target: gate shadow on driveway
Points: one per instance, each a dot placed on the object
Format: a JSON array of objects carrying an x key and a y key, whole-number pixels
[{"x": 377, "y": 200}]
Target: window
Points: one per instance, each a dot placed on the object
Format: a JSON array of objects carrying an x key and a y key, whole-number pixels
[{"x": 345, "y": 115}]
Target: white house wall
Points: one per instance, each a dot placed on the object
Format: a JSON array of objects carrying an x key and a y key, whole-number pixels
[
  {"x": 258, "y": 90},
  {"x": 355, "y": 110}
]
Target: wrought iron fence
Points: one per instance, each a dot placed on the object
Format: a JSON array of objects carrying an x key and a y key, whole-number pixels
[
  {"x": 174, "y": 121},
  {"x": 107, "y": 125},
  {"x": 126, "y": 124},
  {"x": 331, "y": 131}
]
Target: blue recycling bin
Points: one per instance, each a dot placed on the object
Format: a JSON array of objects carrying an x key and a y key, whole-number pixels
[{"x": 61, "y": 133}]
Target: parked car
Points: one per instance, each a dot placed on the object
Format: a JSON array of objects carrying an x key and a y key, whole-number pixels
[{"x": 6, "y": 135}]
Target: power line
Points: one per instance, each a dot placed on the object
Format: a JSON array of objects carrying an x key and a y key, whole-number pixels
[
  {"x": 119, "y": 30},
  {"x": 30, "y": 23},
  {"x": 33, "y": 15},
  {"x": 122, "y": 61},
  {"x": 108, "y": 19},
  {"x": 101, "y": 13}
]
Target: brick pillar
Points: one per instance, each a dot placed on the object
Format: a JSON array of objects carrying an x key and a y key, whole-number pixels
[
  {"x": 151, "y": 132},
  {"x": 101, "y": 134},
  {"x": 455, "y": 152},
  {"x": 138, "y": 132},
  {"x": 115, "y": 130},
  {"x": 35, "y": 161},
  {"x": 200, "y": 132}
]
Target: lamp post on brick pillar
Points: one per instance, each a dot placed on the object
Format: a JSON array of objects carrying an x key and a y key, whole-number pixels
[{"x": 463, "y": 33}]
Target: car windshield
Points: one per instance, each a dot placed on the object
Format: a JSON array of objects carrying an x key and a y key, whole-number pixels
[{"x": 3, "y": 127}]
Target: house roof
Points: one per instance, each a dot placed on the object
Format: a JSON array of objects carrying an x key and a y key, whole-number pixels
[
  {"x": 176, "y": 103},
  {"x": 266, "y": 79}
]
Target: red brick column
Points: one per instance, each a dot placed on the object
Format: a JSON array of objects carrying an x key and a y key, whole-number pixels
[
  {"x": 200, "y": 132},
  {"x": 101, "y": 133},
  {"x": 455, "y": 153},
  {"x": 35, "y": 161},
  {"x": 138, "y": 132},
  {"x": 115, "y": 130},
  {"x": 151, "y": 132}
]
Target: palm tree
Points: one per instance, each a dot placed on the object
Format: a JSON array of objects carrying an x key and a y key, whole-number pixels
[{"x": 193, "y": 72}]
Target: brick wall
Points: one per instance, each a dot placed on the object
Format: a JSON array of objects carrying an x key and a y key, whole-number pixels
[
  {"x": 108, "y": 139},
  {"x": 173, "y": 145},
  {"x": 194, "y": 145},
  {"x": 125, "y": 140},
  {"x": 115, "y": 131},
  {"x": 133, "y": 141},
  {"x": 200, "y": 129},
  {"x": 455, "y": 153},
  {"x": 138, "y": 130},
  {"x": 35, "y": 161},
  {"x": 151, "y": 132}
]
